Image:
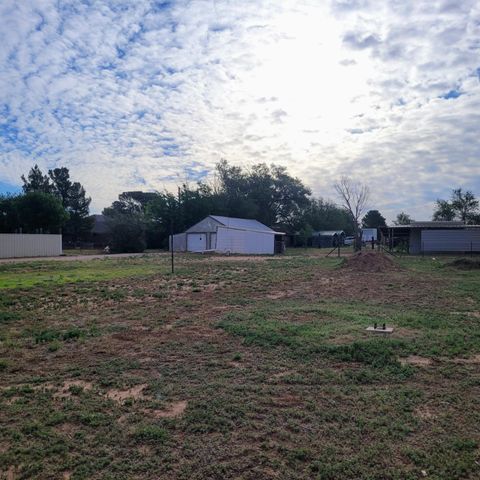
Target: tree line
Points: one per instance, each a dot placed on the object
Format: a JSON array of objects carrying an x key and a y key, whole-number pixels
[
  {"x": 53, "y": 203},
  {"x": 50, "y": 203},
  {"x": 266, "y": 193}
]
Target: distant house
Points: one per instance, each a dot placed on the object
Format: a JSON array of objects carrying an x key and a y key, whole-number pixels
[
  {"x": 229, "y": 235},
  {"x": 430, "y": 237},
  {"x": 328, "y": 238}
]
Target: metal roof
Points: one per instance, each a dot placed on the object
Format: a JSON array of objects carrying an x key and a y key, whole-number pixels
[
  {"x": 242, "y": 223},
  {"x": 328, "y": 233},
  {"x": 432, "y": 224}
]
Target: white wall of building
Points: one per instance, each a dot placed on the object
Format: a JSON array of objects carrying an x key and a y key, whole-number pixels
[
  {"x": 17, "y": 245},
  {"x": 245, "y": 241}
]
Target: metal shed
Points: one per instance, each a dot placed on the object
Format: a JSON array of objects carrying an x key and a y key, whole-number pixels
[
  {"x": 229, "y": 235},
  {"x": 439, "y": 237}
]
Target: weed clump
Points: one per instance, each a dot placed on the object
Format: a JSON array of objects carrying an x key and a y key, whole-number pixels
[{"x": 465, "y": 263}]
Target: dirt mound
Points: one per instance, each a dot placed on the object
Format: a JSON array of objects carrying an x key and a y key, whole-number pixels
[
  {"x": 370, "y": 262},
  {"x": 465, "y": 263}
]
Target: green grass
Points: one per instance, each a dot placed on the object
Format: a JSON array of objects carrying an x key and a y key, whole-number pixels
[
  {"x": 51, "y": 273},
  {"x": 269, "y": 358}
]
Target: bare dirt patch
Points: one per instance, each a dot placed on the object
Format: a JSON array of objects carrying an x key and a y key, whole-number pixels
[
  {"x": 475, "y": 359},
  {"x": 424, "y": 412},
  {"x": 370, "y": 262},
  {"x": 416, "y": 360},
  {"x": 135, "y": 393},
  {"x": 65, "y": 391},
  {"x": 175, "y": 409},
  {"x": 285, "y": 373}
]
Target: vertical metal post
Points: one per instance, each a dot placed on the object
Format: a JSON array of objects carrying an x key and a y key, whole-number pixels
[
  {"x": 338, "y": 246},
  {"x": 471, "y": 249},
  {"x": 171, "y": 245}
]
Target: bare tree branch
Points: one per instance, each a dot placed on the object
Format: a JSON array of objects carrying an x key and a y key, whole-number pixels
[{"x": 355, "y": 197}]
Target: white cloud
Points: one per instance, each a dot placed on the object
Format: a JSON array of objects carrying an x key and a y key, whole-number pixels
[{"x": 135, "y": 95}]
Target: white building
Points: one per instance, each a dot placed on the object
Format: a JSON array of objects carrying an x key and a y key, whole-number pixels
[{"x": 229, "y": 235}]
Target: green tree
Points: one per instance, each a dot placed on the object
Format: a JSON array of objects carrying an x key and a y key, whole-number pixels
[
  {"x": 9, "y": 220},
  {"x": 79, "y": 223},
  {"x": 403, "y": 219},
  {"x": 324, "y": 215},
  {"x": 71, "y": 194},
  {"x": 40, "y": 212},
  {"x": 462, "y": 206},
  {"x": 373, "y": 219},
  {"x": 36, "y": 181},
  {"x": 127, "y": 234}
]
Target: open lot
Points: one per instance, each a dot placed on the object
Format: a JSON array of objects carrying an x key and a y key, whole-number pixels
[{"x": 235, "y": 367}]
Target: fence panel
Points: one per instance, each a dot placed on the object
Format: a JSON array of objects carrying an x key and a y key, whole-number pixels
[{"x": 17, "y": 245}]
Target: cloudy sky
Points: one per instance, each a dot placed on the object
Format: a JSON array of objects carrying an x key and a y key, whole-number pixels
[{"x": 147, "y": 94}]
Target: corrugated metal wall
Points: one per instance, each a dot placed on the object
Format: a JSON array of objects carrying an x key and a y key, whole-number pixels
[
  {"x": 17, "y": 245},
  {"x": 451, "y": 240},
  {"x": 179, "y": 242},
  {"x": 245, "y": 241}
]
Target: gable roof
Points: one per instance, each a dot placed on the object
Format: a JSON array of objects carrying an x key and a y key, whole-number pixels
[{"x": 241, "y": 223}]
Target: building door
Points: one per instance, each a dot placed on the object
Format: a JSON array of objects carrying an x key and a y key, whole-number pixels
[
  {"x": 213, "y": 241},
  {"x": 196, "y": 242}
]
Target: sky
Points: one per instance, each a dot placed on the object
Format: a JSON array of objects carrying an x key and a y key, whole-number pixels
[{"x": 144, "y": 95}]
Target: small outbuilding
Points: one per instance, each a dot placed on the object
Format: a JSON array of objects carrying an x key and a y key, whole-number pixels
[
  {"x": 433, "y": 237},
  {"x": 229, "y": 235},
  {"x": 328, "y": 238}
]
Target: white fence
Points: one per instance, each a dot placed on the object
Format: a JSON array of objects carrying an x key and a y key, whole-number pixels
[{"x": 16, "y": 245}]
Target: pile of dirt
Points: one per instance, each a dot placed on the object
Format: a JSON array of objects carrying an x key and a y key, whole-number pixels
[
  {"x": 465, "y": 263},
  {"x": 370, "y": 262}
]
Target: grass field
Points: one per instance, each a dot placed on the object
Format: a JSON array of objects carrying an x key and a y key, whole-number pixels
[{"x": 239, "y": 368}]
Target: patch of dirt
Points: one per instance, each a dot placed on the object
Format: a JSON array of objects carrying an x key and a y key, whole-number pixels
[
  {"x": 285, "y": 373},
  {"x": 286, "y": 400},
  {"x": 11, "y": 473},
  {"x": 68, "y": 429},
  {"x": 67, "y": 475},
  {"x": 471, "y": 360},
  {"x": 465, "y": 264},
  {"x": 416, "y": 360},
  {"x": 64, "y": 391},
  {"x": 235, "y": 364},
  {"x": 175, "y": 409},
  {"x": 468, "y": 314},
  {"x": 120, "y": 396},
  {"x": 424, "y": 412},
  {"x": 370, "y": 262},
  {"x": 281, "y": 294}
]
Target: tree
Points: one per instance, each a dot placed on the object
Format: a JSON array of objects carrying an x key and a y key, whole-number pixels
[
  {"x": 127, "y": 234},
  {"x": 36, "y": 181},
  {"x": 462, "y": 206},
  {"x": 9, "y": 220},
  {"x": 465, "y": 204},
  {"x": 79, "y": 223},
  {"x": 40, "y": 212},
  {"x": 266, "y": 193},
  {"x": 403, "y": 219},
  {"x": 373, "y": 219},
  {"x": 444, "y": 211},
  {"x": 71, "y": 194},
  {"x": 322, "y": 214},
  {"x": 355, "y": 197}
]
